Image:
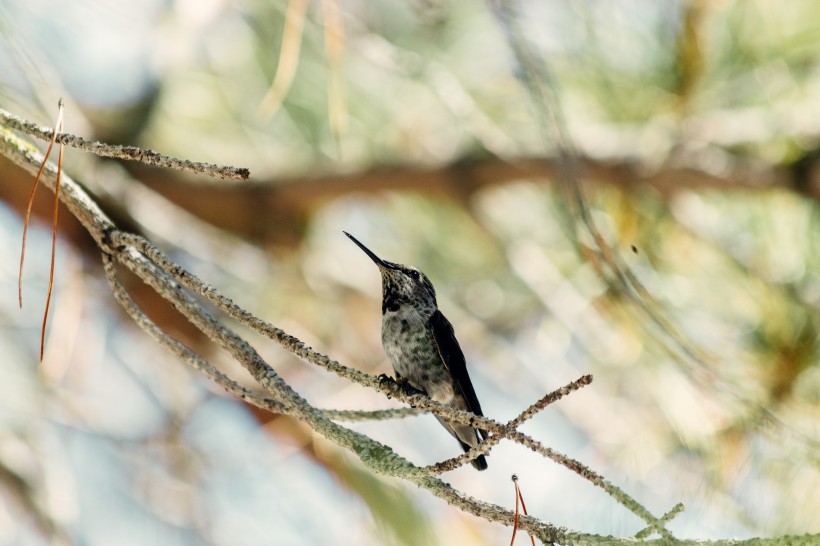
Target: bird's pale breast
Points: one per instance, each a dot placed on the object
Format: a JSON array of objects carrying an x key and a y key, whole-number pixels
[{"x": 408, "y": 342}]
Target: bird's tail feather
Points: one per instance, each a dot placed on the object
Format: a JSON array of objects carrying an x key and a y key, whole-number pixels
[{"x": 468, "y": 437}]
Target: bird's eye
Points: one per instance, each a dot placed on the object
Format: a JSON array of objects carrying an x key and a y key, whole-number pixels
[{"x": 414, "y": 275}]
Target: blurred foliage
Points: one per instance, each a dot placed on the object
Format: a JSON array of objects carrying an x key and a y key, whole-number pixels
[{"x": 428, "y": 85}]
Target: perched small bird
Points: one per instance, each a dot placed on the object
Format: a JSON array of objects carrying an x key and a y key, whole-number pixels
[{"x": 421, "y": 345}]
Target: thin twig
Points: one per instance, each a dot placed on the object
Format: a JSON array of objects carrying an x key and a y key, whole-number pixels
[
  {"x": 666, "y": 518},
  {"x": 372, "y": 415},
  {"x": 484, "y": 447},
  {"x": 131, "y": 153}
]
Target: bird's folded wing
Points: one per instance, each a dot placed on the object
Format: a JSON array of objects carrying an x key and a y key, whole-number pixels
[{"x": 450, "y": 353}]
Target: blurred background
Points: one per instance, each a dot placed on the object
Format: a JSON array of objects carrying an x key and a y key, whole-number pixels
[{"x": 402, "y": 122}]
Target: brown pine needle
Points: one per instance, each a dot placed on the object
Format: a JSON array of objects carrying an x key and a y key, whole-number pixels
[
  {"x": 519, "y": 498},
  {"x": 31, "y": 199},
  {"x": 59, "y": 128},
  {"x": 515, "y": 519}
]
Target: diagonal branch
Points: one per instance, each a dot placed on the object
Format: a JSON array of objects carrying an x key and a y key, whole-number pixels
[{"x": 181, "y": 351}]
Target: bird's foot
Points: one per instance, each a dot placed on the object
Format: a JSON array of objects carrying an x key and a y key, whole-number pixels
[
  {"x": 403, "y": 384},
  {"x": 408, "y": 389},
  {"x": 385, "y": 380}
]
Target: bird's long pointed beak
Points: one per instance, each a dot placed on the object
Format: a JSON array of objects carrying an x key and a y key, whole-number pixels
[{"x": 379, "y": 262}]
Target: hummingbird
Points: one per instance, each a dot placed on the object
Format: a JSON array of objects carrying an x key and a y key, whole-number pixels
[{"x": 422, "y": 346}]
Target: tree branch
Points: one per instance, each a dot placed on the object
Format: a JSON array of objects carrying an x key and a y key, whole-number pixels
[{"x": 180, "y": 287}]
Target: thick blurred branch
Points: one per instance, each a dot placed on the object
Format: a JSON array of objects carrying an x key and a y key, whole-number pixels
[{"x": 294, "y": 199}]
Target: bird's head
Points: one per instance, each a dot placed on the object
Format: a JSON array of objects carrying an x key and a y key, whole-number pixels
[{"x": 401, "y": 284}]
